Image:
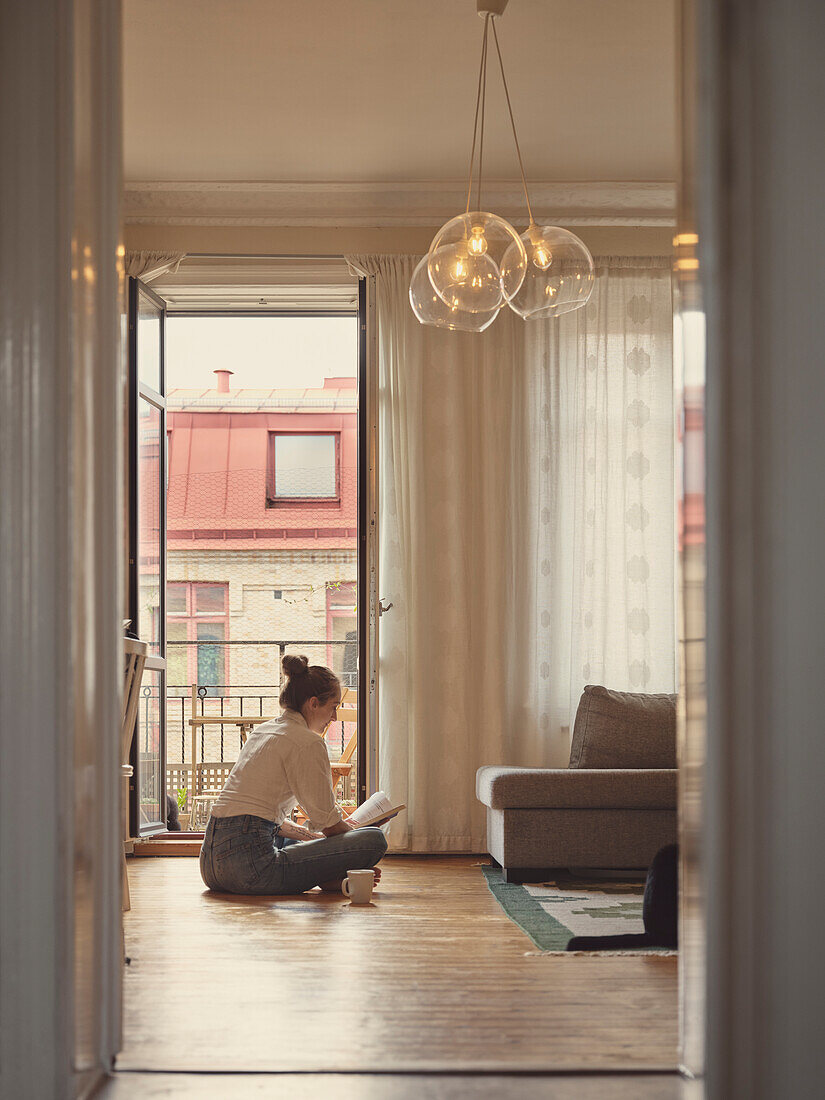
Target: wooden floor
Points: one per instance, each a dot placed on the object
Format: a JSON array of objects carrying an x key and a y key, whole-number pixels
[{"x": 432, "y": 977}]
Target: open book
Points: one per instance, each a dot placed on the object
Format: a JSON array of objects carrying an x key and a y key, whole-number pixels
[{"x": 375, "y": 811}]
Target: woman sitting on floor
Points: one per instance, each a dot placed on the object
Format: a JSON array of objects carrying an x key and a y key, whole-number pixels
[{"x": 251, "y": 846}]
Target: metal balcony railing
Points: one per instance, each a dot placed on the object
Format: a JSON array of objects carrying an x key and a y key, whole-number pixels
[
  {"x": 233, "y": 699},
  {"x": 201, "y": 755}
]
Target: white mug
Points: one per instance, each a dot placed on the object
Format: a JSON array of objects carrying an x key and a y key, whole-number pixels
[{"x": 357, "y": 886}]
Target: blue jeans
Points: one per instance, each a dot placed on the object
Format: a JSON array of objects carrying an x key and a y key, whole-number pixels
[{"x": 240, "y": 856}]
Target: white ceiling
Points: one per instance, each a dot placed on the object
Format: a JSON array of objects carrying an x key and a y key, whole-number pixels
[{"x": 384, "y": 90}]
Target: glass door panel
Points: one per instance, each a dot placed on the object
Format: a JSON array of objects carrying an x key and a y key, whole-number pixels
[
  {"x": 151, "y": 792},
  {"x": 178, "y": 679},
  {"x": 149, "y": 530},
  {"x": 147, "y": 550},
  {"x": 211, "y": 670},
  {"x": 149, "y": 338}
]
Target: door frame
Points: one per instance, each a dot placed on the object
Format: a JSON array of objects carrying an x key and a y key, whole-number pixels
[
  {"x": 367, "y": 504},
  {"x": 368, "y": 536}
]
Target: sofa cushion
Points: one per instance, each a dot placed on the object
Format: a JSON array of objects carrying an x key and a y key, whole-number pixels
[
  {"x": 571, "y": 788},
  {"x": 624, "y": 729}
]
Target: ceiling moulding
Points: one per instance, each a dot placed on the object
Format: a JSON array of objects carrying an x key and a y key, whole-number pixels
[{"x": 392, "y": 204}]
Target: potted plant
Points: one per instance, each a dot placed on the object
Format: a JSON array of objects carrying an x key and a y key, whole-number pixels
[{"x": 183, "y": 816}]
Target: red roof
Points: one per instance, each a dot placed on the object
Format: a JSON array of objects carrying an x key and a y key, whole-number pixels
[
  {"x": 219, "y": 454},
  {"x": 329, "y": 399}
]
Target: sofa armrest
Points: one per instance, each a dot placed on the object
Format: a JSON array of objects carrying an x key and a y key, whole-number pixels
[{"x": 577, "y": 788}]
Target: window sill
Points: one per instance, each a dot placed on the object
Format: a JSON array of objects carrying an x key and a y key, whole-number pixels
[{"x": 303, "y": 502}]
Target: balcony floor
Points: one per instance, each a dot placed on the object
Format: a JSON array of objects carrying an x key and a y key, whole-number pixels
[{"x": 432, "y": 977}]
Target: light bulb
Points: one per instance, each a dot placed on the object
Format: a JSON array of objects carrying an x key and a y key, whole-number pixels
[
  {"x": 460, "y": 270},
  {"x": 478, "y": 242},
  {"x": 542, "y": 257}
]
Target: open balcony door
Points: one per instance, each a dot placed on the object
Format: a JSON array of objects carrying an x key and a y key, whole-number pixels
[{"x": 147, "y": 551}]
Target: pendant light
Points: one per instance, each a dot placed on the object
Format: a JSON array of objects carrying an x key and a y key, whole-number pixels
[
  {"x": 477, "y": 261},
  {"x": 466, "y": 258},
  {"x": 431, "y": 310},
  {"x": 560, "y": 274}
]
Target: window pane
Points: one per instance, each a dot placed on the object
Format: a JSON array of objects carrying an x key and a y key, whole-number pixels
[
  {"x": 342, "y": 600},
  {"x": 148, "y": 342},
  {"x": 149, "y": 540},
  {"x": 177, "y": 674},
  {"x": 211, "y": 665},
  {"x": 176, "y": 599},
  {"x": 305, "y": 466},
  {"x": 210, "y": 599}
]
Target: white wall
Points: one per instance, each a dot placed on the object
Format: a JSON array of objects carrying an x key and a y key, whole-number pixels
[
  {"x": 762, "y": 247},
  {"x": 60, "y": 656}
]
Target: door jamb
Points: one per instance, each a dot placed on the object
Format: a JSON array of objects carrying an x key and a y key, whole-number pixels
[{"x": 368, "y": 618}]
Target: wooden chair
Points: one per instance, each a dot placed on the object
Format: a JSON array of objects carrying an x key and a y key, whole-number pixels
[
  {"x": 344, "y": 777},
  {"x": 211, "y": 776},
  {"x": 179, "y": 778},
  {"x": 210, "y": 779},
  {"x": 136, "y": 653},
  {"x": 342, "y": 767},
  {"x": 347, "y": 712}
]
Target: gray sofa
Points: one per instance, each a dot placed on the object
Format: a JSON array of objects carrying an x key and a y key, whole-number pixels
[{"x": 614, "y": 805}]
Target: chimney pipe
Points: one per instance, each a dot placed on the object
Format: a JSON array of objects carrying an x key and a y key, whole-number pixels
[{"x": 223, "y": 379}]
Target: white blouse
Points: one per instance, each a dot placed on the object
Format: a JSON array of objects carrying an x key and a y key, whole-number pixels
[{"x": 282, "y": 763}]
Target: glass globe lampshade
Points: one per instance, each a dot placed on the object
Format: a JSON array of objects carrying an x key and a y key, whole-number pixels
[
  {"x": 559, "y": 276},
  {"x": 465, "y": 262},
  {"x": 430, "y": 310}
]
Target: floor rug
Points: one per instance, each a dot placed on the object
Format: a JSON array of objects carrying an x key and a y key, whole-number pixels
[{"x": 552, "y": 912}]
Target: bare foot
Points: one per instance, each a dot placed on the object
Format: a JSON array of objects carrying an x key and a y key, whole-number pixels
[{"x": 377, "y": 872}]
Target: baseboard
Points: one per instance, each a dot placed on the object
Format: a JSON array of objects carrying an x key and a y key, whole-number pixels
[{"x": 151, "y": 846}]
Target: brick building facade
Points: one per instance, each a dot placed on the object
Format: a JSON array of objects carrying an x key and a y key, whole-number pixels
[{"x": 261, "y": 545}]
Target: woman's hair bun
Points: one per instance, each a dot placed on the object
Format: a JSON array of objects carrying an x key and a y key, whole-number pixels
[
  {"x": 295, "y": 665},
  {"x": 303, "y": 681}
]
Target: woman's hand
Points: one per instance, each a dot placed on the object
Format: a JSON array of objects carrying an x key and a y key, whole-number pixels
[{"x": 297, "y": 832}]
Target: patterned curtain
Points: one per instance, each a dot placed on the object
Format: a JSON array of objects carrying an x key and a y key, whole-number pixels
[
  {"x": 604, "y": 427},
  {"x": 526, "y": 485}
]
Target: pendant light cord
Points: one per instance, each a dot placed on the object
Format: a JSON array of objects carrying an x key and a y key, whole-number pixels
[
  {"x": 482, "y": 82},
  {"x": 483, "y": 110},
  {"x": 512, "y": 123}
]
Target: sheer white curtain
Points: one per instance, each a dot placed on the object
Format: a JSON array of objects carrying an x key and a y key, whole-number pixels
[
  {"x": 526, "y": 481},
  {"x": 606, "y": 431}
]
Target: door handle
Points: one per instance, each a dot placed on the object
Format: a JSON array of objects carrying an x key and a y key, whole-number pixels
[{"x": 382, "y": 610}]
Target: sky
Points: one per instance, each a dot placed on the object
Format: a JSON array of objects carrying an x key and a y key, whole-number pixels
[{"x": 263, "y": 352}]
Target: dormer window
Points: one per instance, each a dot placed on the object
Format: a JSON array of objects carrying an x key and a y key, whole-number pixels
[{"x": 303, "y": 467}]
